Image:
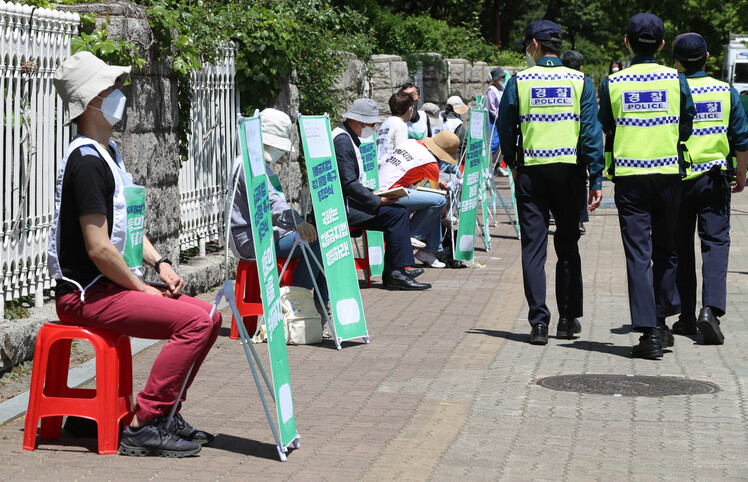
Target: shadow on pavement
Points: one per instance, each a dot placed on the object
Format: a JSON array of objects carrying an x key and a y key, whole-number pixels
[
  {"x": 245, "y": 446},
  {"x": 609, "y": 348},
  {"x": 622, "y": 330},
  {"x": 330, "y": 345},
  {"x": 499, "y": 334}
]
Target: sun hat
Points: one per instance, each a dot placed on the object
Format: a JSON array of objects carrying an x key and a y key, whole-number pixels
[
  {"x": 83, "y": 76},
  {"x": 497, "y": 73},
  {"x": 363, "y": 110},
  {"x": 432, "y": 112},
  {"x": 444, "y": 146},
  {"x": 276, "y": 129},
  {"x": 457, "y": 104}
]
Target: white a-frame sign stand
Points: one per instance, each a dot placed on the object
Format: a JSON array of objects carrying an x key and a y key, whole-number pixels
[{"x": 285, "y": 434}]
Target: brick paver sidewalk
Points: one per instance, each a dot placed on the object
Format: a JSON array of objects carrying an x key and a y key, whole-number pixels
[{"x": 446, "y": 390}]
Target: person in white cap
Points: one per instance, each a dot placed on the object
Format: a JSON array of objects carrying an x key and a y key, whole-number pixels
[
  {"x": 276, "y": 140},
  {"x": 452, "y": 121},
  {"x": 97, "y": 248},
  {"x": 366, "y": 209}
]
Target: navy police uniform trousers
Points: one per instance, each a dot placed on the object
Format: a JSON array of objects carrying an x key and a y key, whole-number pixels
[
  {"x": 706, "y": 199},
  {"x": 556, "y": 188},
  {"x": 647, "y": 213}
]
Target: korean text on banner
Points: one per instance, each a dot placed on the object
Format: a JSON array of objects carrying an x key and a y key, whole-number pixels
[
  {"x": 375, "y": 239},
  {"x": 332, "y": 226},
  {"x": 250, "y": 135},
  {"x": 471, "y": 186}
]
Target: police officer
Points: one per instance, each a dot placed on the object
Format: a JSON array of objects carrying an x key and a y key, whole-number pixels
[
  {"x": 544, "y": 112},
  {"x": 646, "y": 110},
  {"x": 719, "y": 126}
]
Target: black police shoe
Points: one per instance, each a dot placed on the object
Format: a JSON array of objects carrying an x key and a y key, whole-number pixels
[
  {"x": 414, "y": 272},
  {"x": 154, "y": 438},
  {"x": 539, "y": 334},
  {"x": 186, "y": 431},
  {"x": 567, "y": 327},
  {"x": 666, "y": 338},
  {"x": 649, "y": 346},
  {"x": 685, "y": 327},
  {"x": 708, "y": 325}
]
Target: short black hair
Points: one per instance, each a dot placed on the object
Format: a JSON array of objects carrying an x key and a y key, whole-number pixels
[
  {"x": 408, "y": 85},
  {"x": 644, "y": 48},
  {"x": 572, "y": 59},
  {"x": 552, "y": 46},
  {"x": 693, "y": 64}
]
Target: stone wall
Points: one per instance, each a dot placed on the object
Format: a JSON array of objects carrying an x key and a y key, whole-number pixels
[
  {"x": 452, "y": 77},
  {"x": 148, "y": 134}
]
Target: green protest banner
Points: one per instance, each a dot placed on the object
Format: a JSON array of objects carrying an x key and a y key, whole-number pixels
[
  {"x": 471, "y": 186},
  {"x": 375, "y": 239},
  {"x": 332, "y": 226},
  {"x": 250, "y": 136}
]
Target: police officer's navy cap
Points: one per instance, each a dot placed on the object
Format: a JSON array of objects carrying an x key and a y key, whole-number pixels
[
  {"x": 646, "y": 28},
  {"x": 690, "y": 47},
  {"x": 542, "y": 30}
]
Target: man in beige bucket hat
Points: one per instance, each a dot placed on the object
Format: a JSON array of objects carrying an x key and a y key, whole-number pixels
[{"x": 97, "y": 249}]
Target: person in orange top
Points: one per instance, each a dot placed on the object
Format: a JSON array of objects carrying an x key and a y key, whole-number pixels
[{"x": 415, "y": 163}]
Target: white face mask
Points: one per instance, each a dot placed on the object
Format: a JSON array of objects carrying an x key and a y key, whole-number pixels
[
  {"x": 367, "y": 132},
  {"x": 113, "y": 106},
  {"x": 614, "y": 69},
  {"x": 273, "y": 154},
  {"x": 530, "y": 58}
]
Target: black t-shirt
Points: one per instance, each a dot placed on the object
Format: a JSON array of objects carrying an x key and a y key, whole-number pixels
[{"x": 87, "y": 188}]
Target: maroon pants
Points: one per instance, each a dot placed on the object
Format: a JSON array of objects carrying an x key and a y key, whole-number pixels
[{"x": 184, "y": 321}]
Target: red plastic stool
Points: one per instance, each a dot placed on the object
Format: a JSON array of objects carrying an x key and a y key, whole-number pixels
[
  {"x": 51, "y": 398},
  {"x": 247, "y": 292}
]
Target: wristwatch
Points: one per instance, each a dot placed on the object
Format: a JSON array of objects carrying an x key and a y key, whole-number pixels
[{"x": 157, "y": 264}]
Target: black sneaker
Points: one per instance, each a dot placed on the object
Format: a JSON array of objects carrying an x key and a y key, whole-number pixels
[
  {"x": 154, "y": 439},
  {"x": 186, "y": 431}
]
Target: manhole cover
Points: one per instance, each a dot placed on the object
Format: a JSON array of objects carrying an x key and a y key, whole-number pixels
[{"x": 628, "y": 386}]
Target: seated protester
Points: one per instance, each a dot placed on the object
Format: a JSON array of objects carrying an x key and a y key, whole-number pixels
[
  {"x": 432, "y": 113},
  {"x": 97, "y": 248},
  {"x": 452, "y": 121},
  {"x": 276, "y": 139},
  {"x": 419, "y": 125},
  {"x": 416, "y": 163},
  {"x": 394, "y": 131},
  {"x": 367, "y": 210}
]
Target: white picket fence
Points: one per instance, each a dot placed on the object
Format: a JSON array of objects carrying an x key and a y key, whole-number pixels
[
  {"x": 33, "y": 42},
  {"x": 202, "y": 180}
]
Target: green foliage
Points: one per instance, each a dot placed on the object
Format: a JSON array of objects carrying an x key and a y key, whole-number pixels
[
  {"x": 405, "y": 35},
  {"x": 16, "y": 309},
  {"x": 97, "y": 41}
]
